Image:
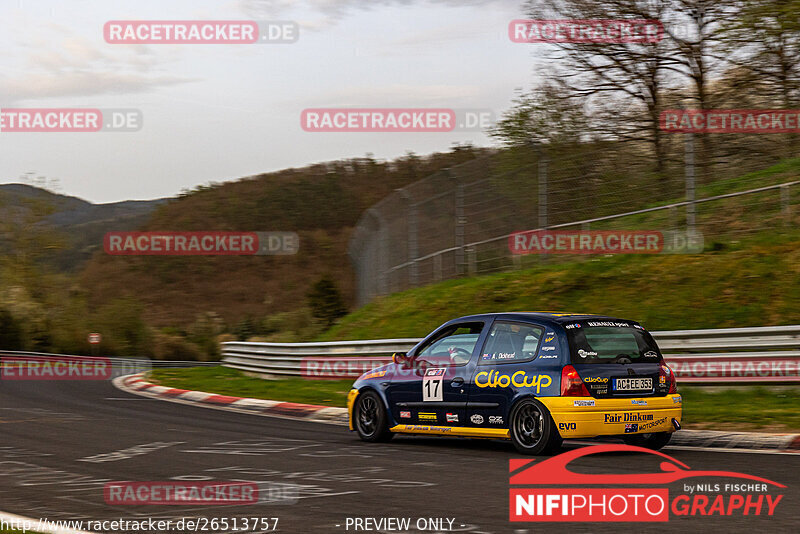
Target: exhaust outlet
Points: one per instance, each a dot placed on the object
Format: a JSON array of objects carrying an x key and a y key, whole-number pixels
[{"x": 676, "y": 424}]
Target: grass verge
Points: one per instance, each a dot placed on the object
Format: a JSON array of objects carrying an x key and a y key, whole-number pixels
[
  {"x": 224, "y": 381},
  {"x": 746, "y": 409},
  {"x": 15, "y": 531}
]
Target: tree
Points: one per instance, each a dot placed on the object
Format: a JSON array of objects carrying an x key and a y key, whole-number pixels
[
  {"x": 695, "y": 30},
  {"x": 26, "y": 239},
  {"x": 124, "y": 330},
  {"x": 622, "y": 81},
  {"x": 10, "y": 332},
  {"x": 541, "y": 117},
  {"x": 326, "y": 301},
  {"x": 763, "y": 44},
  {"x": 626, "y": 83}
]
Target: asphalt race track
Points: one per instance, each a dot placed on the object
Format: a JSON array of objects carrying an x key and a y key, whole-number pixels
[{"x": 56, "y": 440}]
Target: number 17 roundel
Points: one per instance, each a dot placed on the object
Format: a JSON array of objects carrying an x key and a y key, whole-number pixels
[{"x": 432, "y": 385}]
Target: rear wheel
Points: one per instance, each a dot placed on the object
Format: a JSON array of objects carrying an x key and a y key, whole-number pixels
[
  {"x": 654, "y": 441},
  {"x": 369, "y": 417},
  {"x": 532, "y": 430}
]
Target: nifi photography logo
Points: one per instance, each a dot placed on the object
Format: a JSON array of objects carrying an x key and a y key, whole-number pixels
[{"x": 550, "y": 491}]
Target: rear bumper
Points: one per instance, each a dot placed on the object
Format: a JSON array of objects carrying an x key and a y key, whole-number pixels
[{"x": 613, "y": 417}]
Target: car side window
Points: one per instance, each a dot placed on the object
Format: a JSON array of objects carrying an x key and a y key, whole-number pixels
[
  {"x": 511, "y": 342},
  {"x": 453, "y": 346}
]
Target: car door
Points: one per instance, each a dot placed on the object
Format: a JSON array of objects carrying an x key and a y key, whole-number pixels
[
  {"x": 430, "y": 386},
  {"x": 508, "y": 364}
]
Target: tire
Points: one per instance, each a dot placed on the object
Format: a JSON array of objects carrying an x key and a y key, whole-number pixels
[
  {"x": 532, "y": 430},
  {"x": 369, "y": 418},
  {"x": 654, "y": 441}
]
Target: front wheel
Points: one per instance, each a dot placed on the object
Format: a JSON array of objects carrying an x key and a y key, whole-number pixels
[
  {"x": 532, "y": 430},
  {"x": 655, "y": 440},
  {"x": 369, "y": 416}
]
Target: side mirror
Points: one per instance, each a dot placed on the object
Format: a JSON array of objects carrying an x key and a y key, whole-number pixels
[{"x": 399, "y": 357}]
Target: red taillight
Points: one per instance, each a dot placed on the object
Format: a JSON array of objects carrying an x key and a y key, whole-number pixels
[
  {"x": 571, "y": 383},
  {"x": 669, "y": 377}
]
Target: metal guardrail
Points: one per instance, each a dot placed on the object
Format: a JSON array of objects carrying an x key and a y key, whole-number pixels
[
  {"x": 720, "y": 355},
  {"x": 350, "y": 348},
  {"x": 286, "y": 359},
  {"x": 733, "y": 339}
]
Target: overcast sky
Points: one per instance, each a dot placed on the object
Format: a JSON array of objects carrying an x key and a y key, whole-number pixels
[{"x": 220, "y": 112}]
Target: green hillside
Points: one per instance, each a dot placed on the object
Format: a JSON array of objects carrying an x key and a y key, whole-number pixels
[
  {"x": 752, "y": 283},
  {"x": 182, "y": 307},
  {"x": 748, "y": 275},
  {"x": 74, "y": 228},
  {"x": 320, "y": 202}
]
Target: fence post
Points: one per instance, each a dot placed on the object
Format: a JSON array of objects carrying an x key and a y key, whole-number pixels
[
  {"x": 542, "y": 170},
  {"x": 691, "y": 207},
  {"x": 383, "y": 251},
  {"x": 542, "y": 190},
  {"x": 786, "y": 205},
  {"x": 461, "y": 221},
  {"x": 364, "y": 268},
  {"x": 413, "y": 253},
  {"x": 437, "y": 267},
  {"x": 472, "y": 261}
]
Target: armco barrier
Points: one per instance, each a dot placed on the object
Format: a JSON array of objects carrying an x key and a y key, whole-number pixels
[
  {"x": 296, "y": 359},
  {"x": 767, "y": 338},
  {"x": 714, "y": 356}
]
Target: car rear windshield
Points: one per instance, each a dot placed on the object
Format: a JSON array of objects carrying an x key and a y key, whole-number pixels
[{"x": 611, "y": 342}]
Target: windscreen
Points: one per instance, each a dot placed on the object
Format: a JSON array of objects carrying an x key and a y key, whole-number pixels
[{"x": 611, "y": 342}]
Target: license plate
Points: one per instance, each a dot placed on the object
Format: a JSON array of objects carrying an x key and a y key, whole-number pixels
[{"x": 633, "y": 384}]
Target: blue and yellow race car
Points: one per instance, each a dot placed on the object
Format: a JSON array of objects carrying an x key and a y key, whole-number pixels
[{"x": 533, "y": 378}]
